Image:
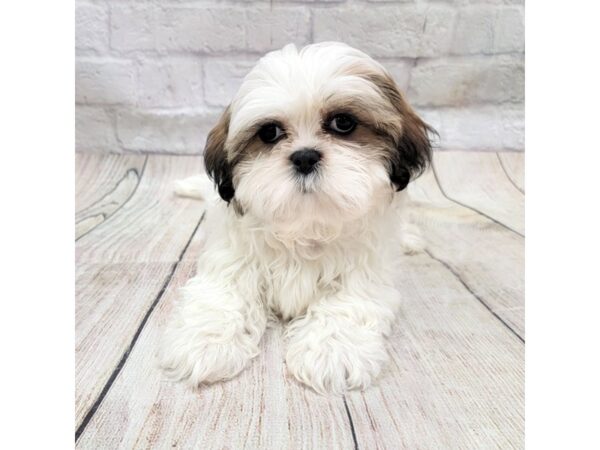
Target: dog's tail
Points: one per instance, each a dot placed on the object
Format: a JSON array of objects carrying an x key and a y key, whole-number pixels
[
  {"x": 198, "y": 186},
  {"x": 411, "y": 239}
]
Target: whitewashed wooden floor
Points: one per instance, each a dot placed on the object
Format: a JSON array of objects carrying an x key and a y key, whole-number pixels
[{"x": 456, "y": 375}]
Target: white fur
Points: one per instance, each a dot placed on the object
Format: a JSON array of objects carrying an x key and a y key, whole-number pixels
[
  {"x": 322, "y": 259},
  {"x": 197, "y": 186}
]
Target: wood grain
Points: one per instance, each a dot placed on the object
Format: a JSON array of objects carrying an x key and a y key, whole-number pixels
[
  {"x": 154, "y": 224},
  {"x": 456, "y": 377},
  {"x": 122, "y": 265},
  {"x": 261, "y": 408},
  {"x": 487, "y": 257},
  {"x": 513, "y": 164},
  {"x": 111, "y": 301},
  {"x": 103, "y": 183},
  {"x": 477, "y": 180}
]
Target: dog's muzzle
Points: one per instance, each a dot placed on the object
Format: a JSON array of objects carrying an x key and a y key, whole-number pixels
[{"x": 306, "y": 160}]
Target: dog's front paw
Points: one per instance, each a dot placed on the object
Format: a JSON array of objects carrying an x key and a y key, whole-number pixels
[
  {"x": 334, "y": 362},
  {"x": 198, "y": 356}
]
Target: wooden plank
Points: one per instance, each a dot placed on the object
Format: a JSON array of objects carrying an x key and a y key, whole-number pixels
[
  {"x": 261, "y": 408},
  {"x": 103, "y": 183},
  {"x": 477, "y": 180},
  {"x": 487, "y": 257},
  {"x": 98, "y": 173},
  {"x": 122, "y": 265},
  {"x": 111, "y": 301},
  {"x": 456, "y": 377},
  {"x": 154, "y": 225},
  {"x": 428, "y": 394},
  {"x": 513, "y": 164}
]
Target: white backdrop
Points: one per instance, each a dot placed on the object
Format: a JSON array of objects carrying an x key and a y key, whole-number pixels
[{"x": 153, "y": 76}]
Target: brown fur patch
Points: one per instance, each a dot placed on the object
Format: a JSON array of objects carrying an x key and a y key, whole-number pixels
[
  {"x": 413, "y": 147},
  {"x": 216, "y": 161},
  {"x": 396, "y": 131}
]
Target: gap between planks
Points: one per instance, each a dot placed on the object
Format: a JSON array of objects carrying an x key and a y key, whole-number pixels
[
  {"x": 488, "y": 307},
  {"x": 121, "y": 267},
  {"x": 446, "y": 245},
  {"x": 514, "y": 168},
  {"x": 476, "y": 210},
  {"x": 149, "y": 312},
  {"x": 127, "y": 352},
  {"x": 435, "y": 172},
  {"x": 133, "y": 343}
]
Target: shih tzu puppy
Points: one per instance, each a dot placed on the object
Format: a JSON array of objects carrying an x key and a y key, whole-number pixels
[{"x": 310, "y": 162}]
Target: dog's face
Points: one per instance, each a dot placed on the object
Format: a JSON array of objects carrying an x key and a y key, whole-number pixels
[{"x": 317, "y": 136}]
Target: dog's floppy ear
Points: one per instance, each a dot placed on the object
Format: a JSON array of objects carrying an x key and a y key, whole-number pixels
[
  {"x": 413, "y": 150},
  {"x": 215, "y": 158},
  {"x": 412, "y": 153}
]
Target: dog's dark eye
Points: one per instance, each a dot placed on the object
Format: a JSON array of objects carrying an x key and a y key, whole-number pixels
[
  {"x": 270, "y": 132},
  {"x": 342, "y": 124}
]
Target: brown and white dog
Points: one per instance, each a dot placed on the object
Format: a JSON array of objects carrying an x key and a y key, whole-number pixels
[{"x": 310, "y": 161}]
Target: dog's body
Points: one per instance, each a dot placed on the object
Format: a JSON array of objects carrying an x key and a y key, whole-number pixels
[{"x": 308, "y": 162}]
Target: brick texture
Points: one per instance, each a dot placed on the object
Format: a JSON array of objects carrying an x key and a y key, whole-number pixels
[{"x": 154, "y": 76}]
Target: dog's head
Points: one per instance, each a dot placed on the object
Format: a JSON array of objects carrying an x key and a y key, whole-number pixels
[{"x": 323, "y": 132}]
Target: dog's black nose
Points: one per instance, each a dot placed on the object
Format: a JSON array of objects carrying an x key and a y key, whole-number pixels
[{"x": 305, "y": 160}]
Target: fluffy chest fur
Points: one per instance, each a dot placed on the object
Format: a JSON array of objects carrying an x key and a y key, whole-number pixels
[{"x": 286, "y": 274}]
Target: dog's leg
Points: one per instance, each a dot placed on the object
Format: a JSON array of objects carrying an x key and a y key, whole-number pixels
[
  {"x": 215, "y": 330},
  {"x": 340, "y": 343}
]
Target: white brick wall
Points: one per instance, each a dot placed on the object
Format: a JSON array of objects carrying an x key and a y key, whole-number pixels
[{"x": 154, "y": 76}]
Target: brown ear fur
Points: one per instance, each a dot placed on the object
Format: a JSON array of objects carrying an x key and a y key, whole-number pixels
[
  {"x": 215, "y": 158},
  {"x": 413, "y": 147}
]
